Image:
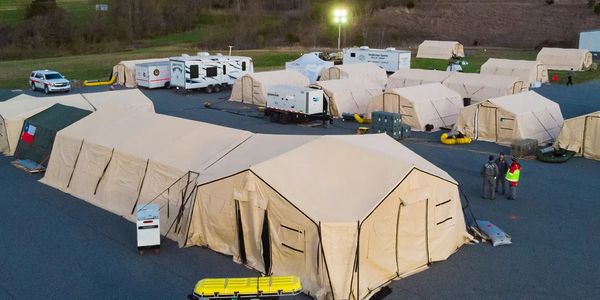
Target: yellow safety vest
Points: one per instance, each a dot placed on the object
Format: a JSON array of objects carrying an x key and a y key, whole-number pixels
[{"x": 514, "y": 176}]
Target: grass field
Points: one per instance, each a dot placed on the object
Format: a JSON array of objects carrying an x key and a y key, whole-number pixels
[{"x": 13, "y": 11}]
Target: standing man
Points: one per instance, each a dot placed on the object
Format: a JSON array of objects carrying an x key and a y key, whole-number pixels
[
  {"x": 502, "y": 169},
  {"x": 489, "y": 172},
  {"x": 512, "y": 176},
  {"x": 570, "y": 77}
]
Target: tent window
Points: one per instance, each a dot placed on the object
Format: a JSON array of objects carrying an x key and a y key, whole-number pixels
[
  {"x": 224, "y": 69},
  {"x": 352, "y": 54},
  {"x": 211, "y": 72},
  {"x": 292, "y": 238},
  {"x": 243, "y": 66},
  {"x": 194, "y": 71},
  {"x": 443, "y": 214}
]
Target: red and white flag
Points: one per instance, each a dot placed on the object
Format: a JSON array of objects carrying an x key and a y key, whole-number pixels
[{"x": 28, "y": 133}]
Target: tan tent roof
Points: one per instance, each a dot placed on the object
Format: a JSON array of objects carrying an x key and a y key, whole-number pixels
[
  {"x": 132, "y": 99},
  {"x": 582, "y": 135},
  {"x": 363, "y": 71},
  {"x": 527, "y": 71},
  {"x": 440, "y": 49},
  {"x": 252, "y": 88},
  {"x": 125, "y": 70},
  {"x": 420, "y": 105},
  {"x": 348, "y": 95},
  {"x": 565, "y": 59},
  {"x": 411, "y": 77},
  {"x": 480, "y": 87},
  {"x": 512, "y": 118}
]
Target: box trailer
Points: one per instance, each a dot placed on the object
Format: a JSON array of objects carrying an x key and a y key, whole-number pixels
[
  {"x": 590, "y": 40},
  {"x": 153, "y": 74},
  {"x": 211, "y": 72},
  {"x": 291, "y": 103},
  {"x": 390, "y": 59}
]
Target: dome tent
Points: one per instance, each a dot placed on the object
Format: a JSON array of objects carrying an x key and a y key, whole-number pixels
[{"x": 310, "y": 65}]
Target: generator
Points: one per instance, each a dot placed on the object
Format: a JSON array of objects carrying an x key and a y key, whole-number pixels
[
  {"x": 292, "y": 103},
  {"x": 148, "y": 227}
]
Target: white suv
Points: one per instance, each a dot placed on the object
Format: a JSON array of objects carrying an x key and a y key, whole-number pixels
[{"x": 49, "y": 81}]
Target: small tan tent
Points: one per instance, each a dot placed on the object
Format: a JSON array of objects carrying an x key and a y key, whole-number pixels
[
  {"x": 363, "y": 72},
  {"x": 348, "y": 95},
  {"x": 252, "y": 88},
  {"x": 582, "y": 135},
  {"x": 125, "y": 70},
  {"x": 505, "y": 120},
  {"x": 115, "y": 159},
  {"x": 420, "y": 105},
  {"x": 480, "y": 87},
  {"x": 527, "y": 71},
  {"x": 411, "y": 77},
  {"x": 131, "y": 100},
  {"x": 440, "y": 49},
  {"x": 565, "y": 59},
  {"x": 345, "y": 236}
]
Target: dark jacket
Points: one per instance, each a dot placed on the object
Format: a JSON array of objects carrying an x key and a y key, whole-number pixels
[{"x": 502, "y": 166}]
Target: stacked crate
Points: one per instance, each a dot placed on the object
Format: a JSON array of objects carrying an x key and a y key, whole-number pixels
[{"x": 389, "y": 123}]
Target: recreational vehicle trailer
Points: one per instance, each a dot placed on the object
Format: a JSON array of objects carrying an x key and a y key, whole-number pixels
[
  {"x": 153, "y": 74},
  {"x": 389, "y": 59},
  {"x": 211, "y": 72}
]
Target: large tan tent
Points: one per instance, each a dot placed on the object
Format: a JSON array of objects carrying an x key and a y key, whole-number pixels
[
  {"x": 527, "y": 71},
  {"x": 13, "y": 113},
  {"x": 565, "y": 59},
  {"x": 505, "y": 120},
  {"x": 115, "y": 159},
  {"x": 440, "y": 49},
  {"x": 480, "y": 87},
  {"x": 125, "y": 70},
  {"x": 420, "y": 105},
  {"x": 582, "y": 135},
  {"x": 363, "y": 72},
  {"x": 344, "y": 234},
  {"x": 252, "y": 88},
  {"x": 411, "y": 77},
  {"x": 132, "y": 100},
  {"x": 348, "y": 95}
]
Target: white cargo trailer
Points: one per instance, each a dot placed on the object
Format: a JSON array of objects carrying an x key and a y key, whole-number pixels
[
  {"x": 390, "y": 59},
  {"x": 153, "y": 74},
  {"x": 590, "y": 40},
  {"x": 291, "y": 103},
  {"x": 211, "y": 72}
]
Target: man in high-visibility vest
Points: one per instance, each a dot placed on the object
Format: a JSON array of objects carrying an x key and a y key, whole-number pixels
[{"x": 512, "y": 176}]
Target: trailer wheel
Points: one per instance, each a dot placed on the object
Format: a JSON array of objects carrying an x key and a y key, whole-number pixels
[
  {"x": 273, "y": 116},
  {"x": 209, "y": 89},
  {"x": 284, "y": 118},
  {"x": 217, "y": 88},
  {"x": 167, "y": 85}
]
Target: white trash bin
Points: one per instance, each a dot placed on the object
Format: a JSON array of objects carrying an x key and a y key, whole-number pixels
[{"x": 148, "y": 227}]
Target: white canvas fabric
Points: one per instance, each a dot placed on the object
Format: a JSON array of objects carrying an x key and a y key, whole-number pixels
[
  {"x": 565, "y": 59},
  {"x": 480, "y": 87},
  {"x": 310, "y": 65},
  {"x": 125, "y": 70},
  {"x": 440, "y": 49},
  {"x": 505, "y": 120},
  {"x": 420, "y": 105},
  {"x": 315, "y": 222},
  {"x": 411, "y": 77},
  {"x": 348, "y": 95},
  {"x": 359, "y": 72},
  {"x": 527, "y": 71},
  {"x": 252, "y": 88},
  {"x": 582, "y": 135}
]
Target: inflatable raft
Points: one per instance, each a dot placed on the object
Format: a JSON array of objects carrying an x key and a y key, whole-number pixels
[
  {"x": 250, "y": 287},
  {"x": 454, "y": 140},
  {"x": 552, "y": 155}
]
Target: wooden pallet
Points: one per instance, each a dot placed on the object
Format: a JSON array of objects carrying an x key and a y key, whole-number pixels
[{"x": 28, "y": 166}]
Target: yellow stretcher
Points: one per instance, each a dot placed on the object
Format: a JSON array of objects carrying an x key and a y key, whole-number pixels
[{"x": 215, "y": 288}]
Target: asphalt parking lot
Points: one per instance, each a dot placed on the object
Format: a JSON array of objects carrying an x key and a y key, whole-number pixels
[{"x": 56, "y": 246}]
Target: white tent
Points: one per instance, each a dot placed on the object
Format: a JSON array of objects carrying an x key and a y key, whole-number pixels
[
  {"x": 360, "y": 72},
  {"x": 310, "y": 65},
  {"x": 505, "y": 120},
  {"x": 312, "y": 215},
  {"x": 420, "y": 105},
  {"x": 252, "y": 88},
  {"x": 582, "y": 135},
  {"x": 527, "y": 71},
  {"x": 115, "y": 159},
  {"x": 480, "y": 87},
  {"x": 411, "y": 77},
  {"x": 348, "y": 95},
  {"x": 125, "y": 70},
  {"x": 440, "y": 49},
  {"x": 565, "y": 59}
]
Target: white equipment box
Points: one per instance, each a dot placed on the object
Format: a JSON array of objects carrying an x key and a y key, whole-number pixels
[
  {"x": 299, "y": 100},
  {"x": 153, "y": 75},
  {"x": 148, "y": 225},
  {"x": 390, "y": 59}
]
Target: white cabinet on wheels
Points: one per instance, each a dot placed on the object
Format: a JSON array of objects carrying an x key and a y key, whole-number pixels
[{"x": 148, "y": 227}]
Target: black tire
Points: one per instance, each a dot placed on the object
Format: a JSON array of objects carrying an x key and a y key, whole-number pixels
[
  {"x": 33, "y": 88},
  {"x": 209, "y": 89},
  {"x": 217, "y": 88},
  {"x": 284, "y": 118},
  {"x": 46, "y": 90},
  {"x": 273, "y": 116},
  {"x": 167, "y": 85}
]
